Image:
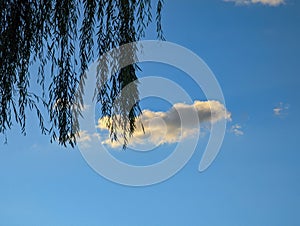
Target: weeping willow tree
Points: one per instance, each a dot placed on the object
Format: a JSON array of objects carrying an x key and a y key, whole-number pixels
[{"x": 62, "y": 37}]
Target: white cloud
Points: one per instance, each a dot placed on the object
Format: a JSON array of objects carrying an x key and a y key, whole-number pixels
[
  {"x": 83, "y": 136},
  {"x": 277, "y": 111},
  {"x": 281, "y": 109},
  {"x": 237, "y": 130},
  {"x": 264, "y": 2},
  {"x": 86, "y": 139},
  {"x": 165, "y": 127}
]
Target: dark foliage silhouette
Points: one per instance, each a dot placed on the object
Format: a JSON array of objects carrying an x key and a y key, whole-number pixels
[{"x": 62, "y": 37}]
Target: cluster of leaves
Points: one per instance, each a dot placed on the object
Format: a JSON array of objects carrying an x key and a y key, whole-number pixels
[{"x": 48, "y": 32}]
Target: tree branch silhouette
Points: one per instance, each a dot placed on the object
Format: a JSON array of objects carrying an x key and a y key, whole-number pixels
[{"x": 62, "y": 37}]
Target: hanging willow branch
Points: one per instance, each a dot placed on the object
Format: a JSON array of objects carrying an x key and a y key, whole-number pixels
[{"x": 61, "y": 36}]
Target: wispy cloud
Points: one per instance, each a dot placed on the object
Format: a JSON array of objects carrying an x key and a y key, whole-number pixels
[
  {"x": 281, "y": 109},
  {"x": 166, "y": 127},
  {"x": 237, "y": 130},
  {"x": 84, "y": 138},
  {"x": 264, "y": 2}
]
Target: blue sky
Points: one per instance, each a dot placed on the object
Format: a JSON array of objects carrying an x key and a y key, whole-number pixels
[{"x": 253, "y": 50}]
